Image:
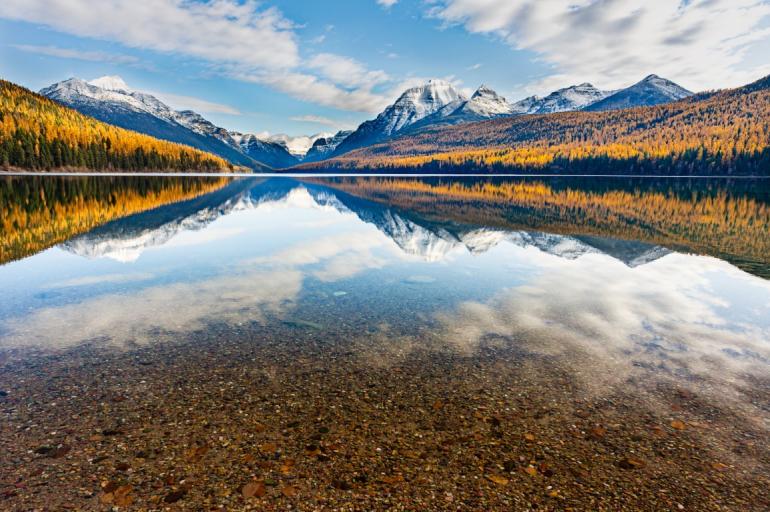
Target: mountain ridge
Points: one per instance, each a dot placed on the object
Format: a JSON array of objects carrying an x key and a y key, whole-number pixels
[
  {"x": 411, "y": 106},
  {"x": 725, "y": 132},
  {"x": 485, "y": 104},
  {"x": 41, "y": 134},
  {"x": 117, "y": 104},
  {"x": 652, "y": 90}
]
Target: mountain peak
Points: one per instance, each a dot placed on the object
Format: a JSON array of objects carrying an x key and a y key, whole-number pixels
[
  {"x": 485, "y": 90},
  {"x": 110, "y": 83},
  {"x": 414, "y": 104},
  {"x": 418, "y": 102},
  {"x": 569, "y": 98},
  {"x": 652, "y": 90}
]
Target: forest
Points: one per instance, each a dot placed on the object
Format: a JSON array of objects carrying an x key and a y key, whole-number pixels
[
  {"x": 715, "y": 133},
  {"x": 39, "y": 134}
]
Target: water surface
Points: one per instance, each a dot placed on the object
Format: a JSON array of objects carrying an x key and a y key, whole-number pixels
[{"x": 377, "y": 343}]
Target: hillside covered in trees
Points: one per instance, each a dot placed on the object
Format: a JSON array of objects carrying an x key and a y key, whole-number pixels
[
  {"x": 724, "y": 132},
  {"x": 37, "y": 133}
]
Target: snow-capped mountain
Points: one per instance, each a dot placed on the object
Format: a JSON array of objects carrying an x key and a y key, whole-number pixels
[
  {"x": 653, "y": 90},
  {"x": 297, "y": 145},
  {"x": 484, "y": 104},
  {"x": 438, "y": 103},
  {"x": 567, "y": 99},
  {"x": 110, "y": 83},
  {"x": 75, "y": 91},
  {"x": 273, "y": 154},
  {"x": 325, "y": 146},
  {"x": 413, "y": 105},
  {"x": 111, "y": 100}
]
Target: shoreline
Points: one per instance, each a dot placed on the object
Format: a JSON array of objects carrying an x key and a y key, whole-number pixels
[{"x": 289, "y": 174}]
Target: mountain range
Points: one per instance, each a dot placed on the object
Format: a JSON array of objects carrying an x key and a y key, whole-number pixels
[
  {"x": 436, "y": 103},
  {"x": 673, "y": 132},
  {"x": 109, "y": 99},
  {"x": 440, "y": 103}
]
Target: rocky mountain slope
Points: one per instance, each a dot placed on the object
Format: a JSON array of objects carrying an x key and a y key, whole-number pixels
[
  {"x": 109, "y": 99},
  {"x": 653, "y": 90}
]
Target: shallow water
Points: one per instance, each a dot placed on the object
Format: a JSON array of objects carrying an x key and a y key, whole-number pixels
[{"x": 375, "y": 343}]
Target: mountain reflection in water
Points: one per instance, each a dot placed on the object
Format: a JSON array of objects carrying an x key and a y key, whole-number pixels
[{"x": 597, "y": 330}]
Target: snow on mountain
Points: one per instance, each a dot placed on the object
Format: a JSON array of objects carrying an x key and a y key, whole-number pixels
[
  {"x": 486, "y": 103},
  {"x": 527, "y": 105},
  {"x": 483, "y": 104},
  {"x": 653, "y": 90},
  {"x": 418, "y": 102},
  {"x": 111, "y": 100},
  {"x": 273, "y": 154},
  {"x": 413, "y": 105},
  {"x": 77, "y": 92},
  {"x": 298, "y": 145},
  {"x": 564, "y": 100},
  {"x": 325, "y": 146},
  {"x": 110, "y": 83}
]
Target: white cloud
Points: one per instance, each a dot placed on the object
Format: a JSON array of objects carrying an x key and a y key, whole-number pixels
[
  {"x": 221, "y": 30},
  {"x": 239, "y": 297},
  {"x": 181, "y": 102},
  {"x": 310, "y": 88},
  {"x": 69, "y": 53},
  {"x": 101, "y": 279},
  {"x": 700, "y": 43},
  {"x": 341, "y": 69},
  {"x": 242, "y": 40},
  {"x": 387, "y": 3},
  {"x": 614, "y": 320},
  {"x": 316, "y": 119}
]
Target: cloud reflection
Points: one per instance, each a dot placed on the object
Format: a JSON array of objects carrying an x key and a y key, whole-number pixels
[
  {"x": 613, "y": 320},
  {"x": 153, "y": 313}
]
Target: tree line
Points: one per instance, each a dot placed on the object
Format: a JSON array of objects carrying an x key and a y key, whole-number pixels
[{"x": 37, "y": 133}]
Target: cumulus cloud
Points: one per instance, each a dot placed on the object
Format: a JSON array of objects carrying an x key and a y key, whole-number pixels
[
  {"x": 346, "y": 70},
  {"x": 242, "y": 40},
  {"x": 701, "y": 43},
  {"x": 387, "y": 3},
  {"x": 201, "y": 29},
  {"x": 311, "y": 88}
]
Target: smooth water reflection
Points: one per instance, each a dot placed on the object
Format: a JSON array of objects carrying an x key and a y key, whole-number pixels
[
  {"x": 436, "y": 344},
  {"x": 267, "y": 250}
]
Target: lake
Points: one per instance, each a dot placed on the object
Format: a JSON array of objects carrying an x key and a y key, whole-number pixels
[{"x": 381, "y": 343}]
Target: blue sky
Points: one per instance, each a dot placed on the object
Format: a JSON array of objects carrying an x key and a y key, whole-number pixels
[{"x": 303, "y": 67}]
